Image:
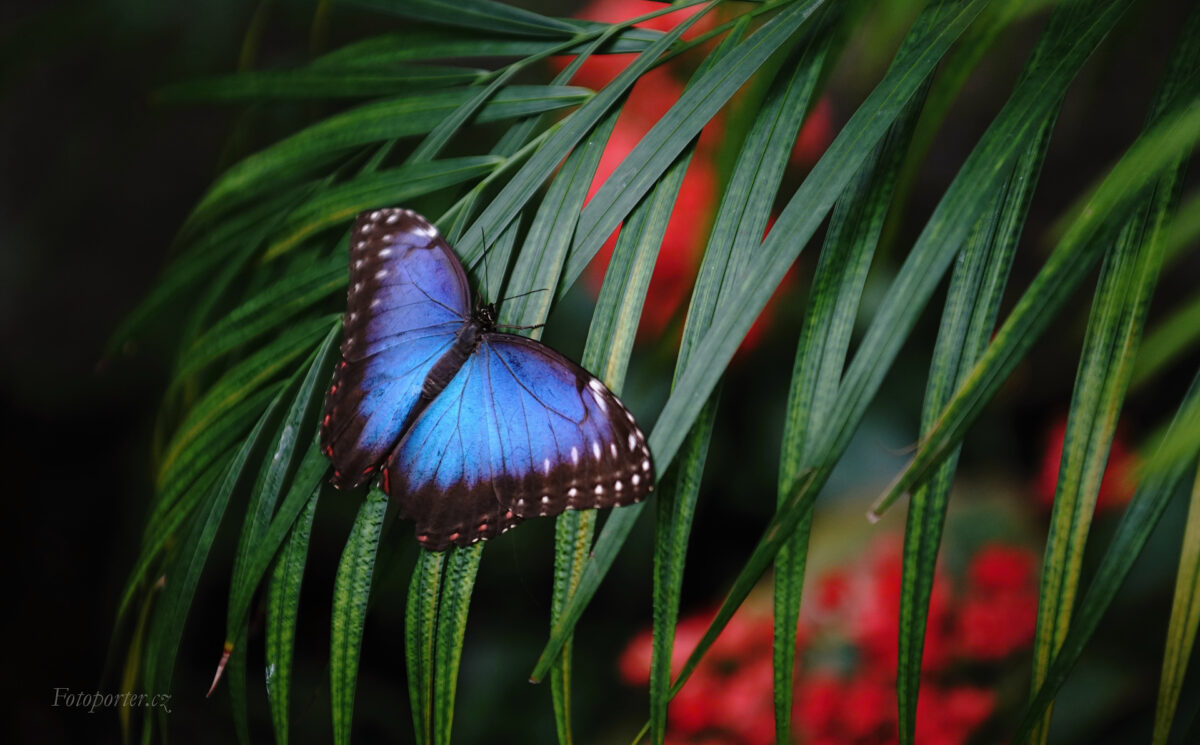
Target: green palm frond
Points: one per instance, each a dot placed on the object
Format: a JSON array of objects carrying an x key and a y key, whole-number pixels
[{"x": 451, "y": 111}]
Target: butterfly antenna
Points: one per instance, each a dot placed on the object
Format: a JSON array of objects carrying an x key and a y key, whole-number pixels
[
  {"x": 523, "y": 294},
  {"x": 487, "y": 248},
  {"x": 514, "y": 297}
]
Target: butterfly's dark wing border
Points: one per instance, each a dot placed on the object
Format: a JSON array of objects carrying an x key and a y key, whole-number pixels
[{"x": 521, "y": 431}]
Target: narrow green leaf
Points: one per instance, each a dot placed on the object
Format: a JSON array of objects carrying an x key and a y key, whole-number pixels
[
  {"x": 934, "y": 32},
  {"x": 262, "y": 528},
  {"x": 495, "y": 265},
  {"x": 351, "y": 591},
  {"x": 388, "y": 50},
  {"x": 135, "y": 663},
  {"x": 1128, "y": 277},
  {"x": 741, "y": 220},
  {"x": 947, "y": 84},
  {"x": 440, "y": 135},
  {"x": 482, "y": 15},
  {"x": 312, "y": 471},
  {"x": 573, "y": 532},
  {"x": 420, "y": 636},
  {"x": 192, "y": 441},
  {"x": 1185, "y": 619},
  {"x": 371, "y": 190},
  {"x": 518, "y": 134},
  {"x": 1155, "y": 152},
  {"x": 1185, "y": 229},
  {"x": 166, "y": 518},
  {"x": 609, "y": 343},
  {"x": 250, "y": 561},
  {"x": 266, "y": 311},
  {"x": 521, "y": 188},
  {"x": 531, "y": 287},
  {"x": 283, "y": 605},
  {"x": 202, "y": 257},
  {"x": 237, "y": 688},
  {"x": 619, "y": 306},
  {"x": 461, "y": 566},
  {"x": 540, "y": 261},
  {"x": 183, "y": 573},
  {"x": 610, "y": 340},
  {"x": 217, "y": 289},
  {"x": 703, "y": 98},
  {"x": 837, "y": 287},
  {"x": 675, "y": 509},
  {"x": 316, "y": 83},
  {"x": 1164, "y": 473},
  {"x": 972, "y": 303},
  {"x": 405, "y": 116},
  {"x": 737, "y": 230},
  {"x": 1167, "y": 342}
]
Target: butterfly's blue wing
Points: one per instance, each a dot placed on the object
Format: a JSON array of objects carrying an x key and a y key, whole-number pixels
[
  {"x": 408, "y": 298},
  {"x": 520, "y": 431}
]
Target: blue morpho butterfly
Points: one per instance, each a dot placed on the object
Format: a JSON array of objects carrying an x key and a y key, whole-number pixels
[{"x": 475, "y": 429}]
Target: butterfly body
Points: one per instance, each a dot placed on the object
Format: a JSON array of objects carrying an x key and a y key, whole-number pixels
[{"x": 473, "y": 429}]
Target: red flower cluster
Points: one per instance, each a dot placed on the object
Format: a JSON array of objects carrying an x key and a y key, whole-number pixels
[
  {"x": 1000, "y": 607},
  {"x": 847, "y": 641},
  {"x": 655, "y": 92},
  {"x": 1118, "y": 484}
]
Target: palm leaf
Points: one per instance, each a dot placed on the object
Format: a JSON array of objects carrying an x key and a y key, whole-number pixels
[
  {"x": 934, "y": 33},
  {"x": 837, "y": 288},
  {"x": 737, "y": 229},
  {"x": 404, "y": 116},
  {"x": 967, "y": 322},
  {"x": 1127, "y": 279},
  {"x": 351, "y": 590},
  {"x": 283, "y": 606},
  {"x": 1185, "y": 619},
  {"x": 258, "y": 275},
  {"x": 1165, "y": 471}
]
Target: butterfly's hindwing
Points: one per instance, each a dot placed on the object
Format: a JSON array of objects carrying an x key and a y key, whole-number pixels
[
  {"x": 520, "y": 431},
  {"x": 408, "y": 298}
]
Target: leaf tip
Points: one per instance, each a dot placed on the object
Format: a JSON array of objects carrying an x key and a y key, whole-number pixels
[{"x": 225, "y": 652}]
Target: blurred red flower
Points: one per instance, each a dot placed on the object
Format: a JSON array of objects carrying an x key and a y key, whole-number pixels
[
  {"x": 817, "y": 702},
  {"x": 651, "y": 97},
  {"x": 875, "y": 623},
  {"x": 684, "y": 239},
  {"x": 1118, "y": 484},
  {"x": 999, "y": 614},
  {"x": 1000, "y": 568},
  {"x": 599, "y": 69},
  {"x": 815, "y": 134},
  {"x": 850, "y": 699},
  {"x": 948, "y": 716},
  {"x": 868, "y": 706}
]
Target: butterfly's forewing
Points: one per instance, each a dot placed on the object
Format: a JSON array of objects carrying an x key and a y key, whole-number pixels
[
  {"x": 520, "y": 431},
  {"x": 408, "y": 297}
]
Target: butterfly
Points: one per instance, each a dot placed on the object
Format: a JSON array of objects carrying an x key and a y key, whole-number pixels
[{"x": 472, "y": 430}]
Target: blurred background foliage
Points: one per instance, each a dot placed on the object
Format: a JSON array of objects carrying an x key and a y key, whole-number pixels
[{"x": 101, "y": 168}]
